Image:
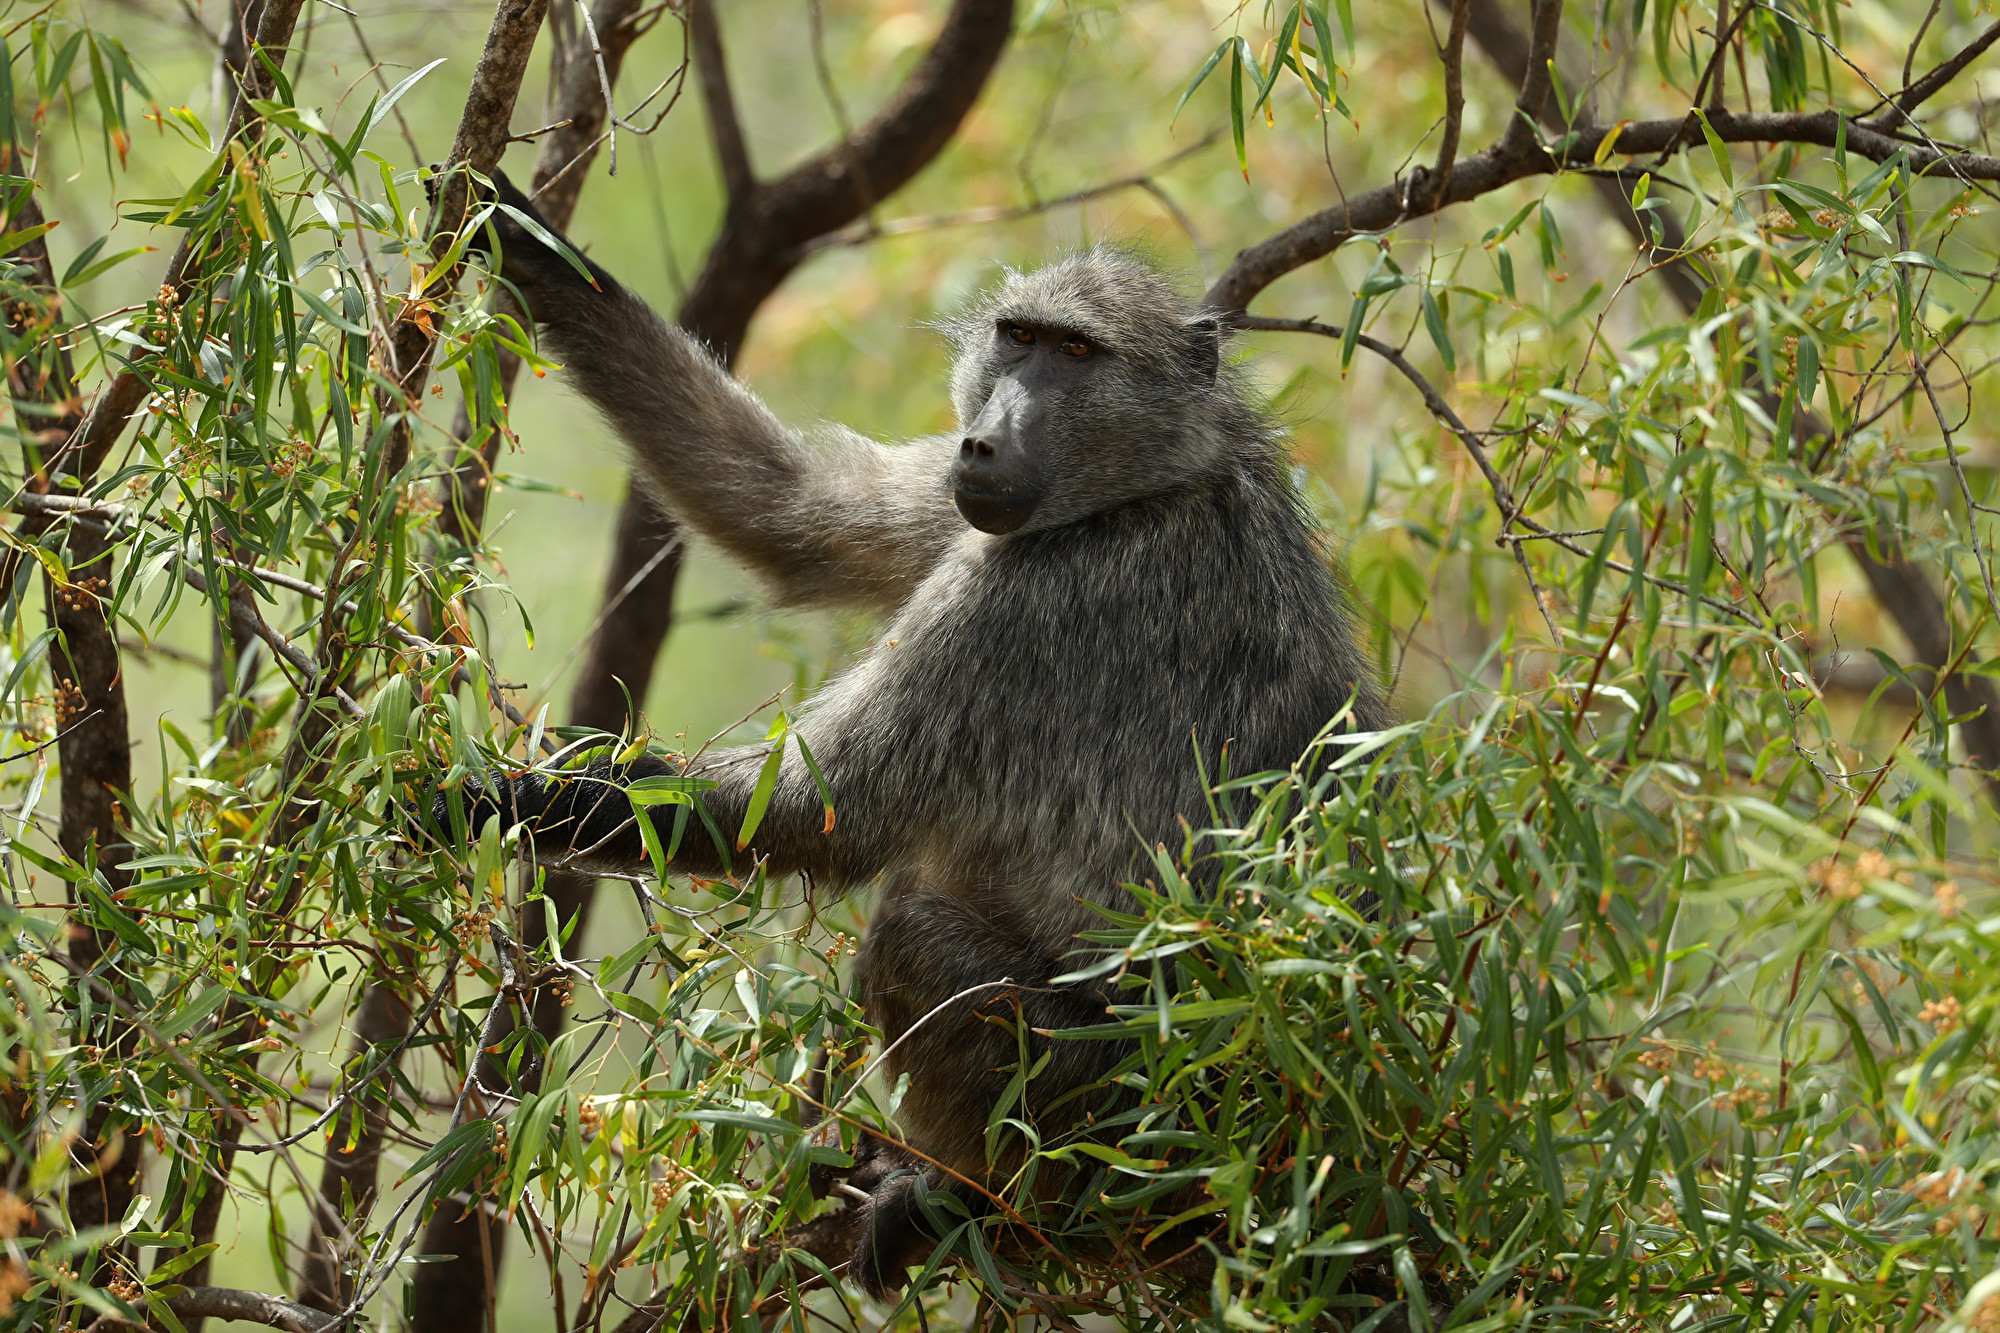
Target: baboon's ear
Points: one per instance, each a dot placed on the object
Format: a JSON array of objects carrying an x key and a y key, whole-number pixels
[{"x": 1204, "y": 339}]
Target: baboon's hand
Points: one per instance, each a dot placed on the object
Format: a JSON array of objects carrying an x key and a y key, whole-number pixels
[
  {"x": 548, "y": 279},
  {"x": 428, "y": 823},
  {"x": 582, "y": 812}
]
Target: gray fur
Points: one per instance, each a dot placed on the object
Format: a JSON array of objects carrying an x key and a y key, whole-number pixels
[{"x": 1027, "y": 723}]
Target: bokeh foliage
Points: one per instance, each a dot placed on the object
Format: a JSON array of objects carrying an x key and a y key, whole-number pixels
[{"x": 1644, "y": 977}]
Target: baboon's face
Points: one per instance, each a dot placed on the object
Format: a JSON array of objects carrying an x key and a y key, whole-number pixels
[
  {"x": 1065, "y": 420},
  {"x": 1083, "y": 386},
  {"x": 1011, "y": 449}
]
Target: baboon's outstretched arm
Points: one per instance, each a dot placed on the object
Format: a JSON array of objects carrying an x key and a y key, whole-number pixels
[
  {"x": 832, "y": 519},
  {"x": 839, "y": 519},
  {"x": 587, "y": 818}
]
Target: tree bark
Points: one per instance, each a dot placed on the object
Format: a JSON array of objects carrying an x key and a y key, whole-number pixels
[
  {"x": 349, "y": 1178},
  {"x": 94, "y": 755},
  {"x": 562, "y": 164}
]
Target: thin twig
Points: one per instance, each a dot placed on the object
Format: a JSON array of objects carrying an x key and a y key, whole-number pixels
[
  {"x": 867, "y": 230},
  {"x": 1916, "y": 94},
  {"x": 34, "y": 750}
]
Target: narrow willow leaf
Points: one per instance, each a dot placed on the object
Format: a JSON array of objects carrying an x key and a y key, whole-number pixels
[
  {"x": 1237, "y": 50},
  {"x": 760, "y": 795},
  {"x": 1207, "y": 68},
  {"x": 1440, "y": 335}
]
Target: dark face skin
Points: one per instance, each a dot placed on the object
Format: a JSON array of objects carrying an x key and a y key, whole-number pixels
[{"x": 1001, "y": 472}]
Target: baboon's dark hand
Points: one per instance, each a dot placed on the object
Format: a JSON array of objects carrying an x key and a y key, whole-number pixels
[
  {"x": 548, "y": 279},
  {"x": 581, "y": 812},
  {"x": 428, "y": 820}
]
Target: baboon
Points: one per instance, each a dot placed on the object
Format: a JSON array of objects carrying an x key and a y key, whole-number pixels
[{"x": 1105, "y": 576}]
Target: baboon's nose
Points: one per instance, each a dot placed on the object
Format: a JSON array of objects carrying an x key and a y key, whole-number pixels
[{"x": 975, "y": 448}]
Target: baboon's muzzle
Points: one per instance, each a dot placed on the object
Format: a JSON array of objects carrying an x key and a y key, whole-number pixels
[{"x": 997, "y": 480}]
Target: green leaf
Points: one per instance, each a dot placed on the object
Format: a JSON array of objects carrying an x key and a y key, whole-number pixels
[
  {"x": 1808, "y": 374},
  {"x": 1717, "y": 149},
  {"x": 761, "y": 1124},
  {"x": 819, "y": 780},
  {"x": 650, "y": 837},
  {"x": 1286, "y": 33},
  {"x": 666, "y": 788},
  {"x": 1350, "y": 337},
  {"x": 181, "y": 1262},
  {"x": 381, "y": 109},
  {"x": 1208, "y": 67},
  {"x": 1237, "y": 50},
  {"x": 77, "y": 276},
  {"x": 760, "y": 795},
  {"x": 106, "y": 912},
  {"x": 14, "y": 240},
  {"x": 1440, "y": 335},
  {"x": 546, "y": 237}
]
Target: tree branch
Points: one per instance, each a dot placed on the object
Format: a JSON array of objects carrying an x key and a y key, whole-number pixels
[
  {"x": 1453, "y": 54},
  {"x": 253, "y": 1306},
  {"x": 561, "y": 165},
  {"x": 484, "y": 127},
  {"x": 1536, "y": 81},
  {"x": 725, "y": 130},
  {"x": 93, "y": 743},
  {"x": 1262, "y": 264},
  {"x": 1914, "y": 96},
  {"x": 844, "y": 181}
]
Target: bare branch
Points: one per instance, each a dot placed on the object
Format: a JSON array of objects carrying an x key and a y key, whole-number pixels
[
  {"x": 483, "y": 130},
  {"x": 243, "y": 613},
  {"x": 1545, "y": 28},
  {"x": 1923, "y": 89},
  {"x": 841, "y": 183},
  {"x": 253, "y": 1306},
  {"x": 1453, "y": 55},
  {"x": 1910, "y": 56},
  {"x": 1713, "y": 77},
  {"x": 560, "y": 164},
  {"x": 1380, "y": 209},
  {"x": 725, "y": 130}
]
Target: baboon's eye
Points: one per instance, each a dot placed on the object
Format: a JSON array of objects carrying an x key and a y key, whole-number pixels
[
  {"x": 1020, "y": 335},
  {"x": 1076, "y": 347}
]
